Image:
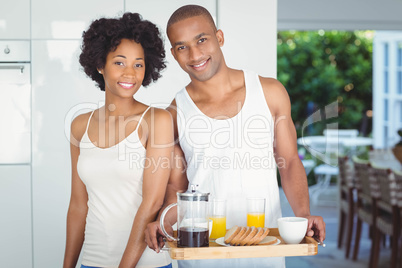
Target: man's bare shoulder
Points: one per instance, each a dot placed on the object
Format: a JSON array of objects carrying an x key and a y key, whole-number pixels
[
  {"x": 272, "y": 86},
  {"x": 275, "y": 94}
]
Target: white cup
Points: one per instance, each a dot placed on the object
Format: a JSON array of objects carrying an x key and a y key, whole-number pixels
[{"x": 292, "y": 229}]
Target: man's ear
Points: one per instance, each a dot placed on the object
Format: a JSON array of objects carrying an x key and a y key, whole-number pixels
[
  {"x": 220, "y": 37},
  {"x": 173, "y": 53}
]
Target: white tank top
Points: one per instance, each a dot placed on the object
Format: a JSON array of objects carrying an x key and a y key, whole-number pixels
[
  {"x": 113, "y": 179},
  {"x": 232, "y": 159}
]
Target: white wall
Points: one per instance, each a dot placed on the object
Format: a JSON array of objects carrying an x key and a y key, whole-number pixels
[
  {"x": 250, "y": 34},
  {"x": 60, "y": 89},
  {"x": 340, "y": 15}
]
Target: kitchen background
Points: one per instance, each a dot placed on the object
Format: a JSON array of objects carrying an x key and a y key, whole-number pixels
[
  {"x": 39, "y": 100},
  {"x": 35, "y": 187}
]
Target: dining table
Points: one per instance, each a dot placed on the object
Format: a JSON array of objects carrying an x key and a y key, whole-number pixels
[
  {"x": 321, "y": 144},
  {"x": 344, "y": 141}
]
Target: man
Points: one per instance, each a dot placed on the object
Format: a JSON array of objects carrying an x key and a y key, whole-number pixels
[{"x": 234, "y": 129}]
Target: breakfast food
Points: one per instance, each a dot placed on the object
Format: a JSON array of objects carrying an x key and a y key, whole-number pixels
[
  {"x": 231, "y": 234},
  {"x": 251, "y": 234},
  {"x": 247, "y": 236},
  {"x": 248, "y": 230},
  {"x": 268, "y": 240},
  {"x": 257, "y": 236},
  {"x": 238, "y": 236},
  {"x": 265, "y": 233}
]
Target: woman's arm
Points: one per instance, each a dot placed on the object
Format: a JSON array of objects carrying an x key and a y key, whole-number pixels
[
  {"x": 156, "y": 175},
  {"x": 178, "y": 183},
  {"x": 78, "y": 208}
]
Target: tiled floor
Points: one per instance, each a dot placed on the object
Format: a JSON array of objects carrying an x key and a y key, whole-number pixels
[{"x": 331, "y": 256}]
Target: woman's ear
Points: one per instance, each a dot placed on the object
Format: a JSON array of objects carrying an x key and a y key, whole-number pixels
[{"x": 220, "y": 37}]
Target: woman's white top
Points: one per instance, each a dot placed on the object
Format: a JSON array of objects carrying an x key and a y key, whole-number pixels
[
  {"x": 232, "y": 159},
  {"x": 113, "y": 179}
]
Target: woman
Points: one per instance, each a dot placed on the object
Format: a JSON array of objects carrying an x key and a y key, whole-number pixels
[{"x": 121, "y": 152}]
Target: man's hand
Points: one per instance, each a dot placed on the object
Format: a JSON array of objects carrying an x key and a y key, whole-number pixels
[
  {"x": 316, "y": 227},
  {"x": 154, "y": 235}
]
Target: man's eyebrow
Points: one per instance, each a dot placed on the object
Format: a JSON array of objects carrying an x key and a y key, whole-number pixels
[
  {"x": 198, "y": 36},
  {"x": 178, "y": 43}
]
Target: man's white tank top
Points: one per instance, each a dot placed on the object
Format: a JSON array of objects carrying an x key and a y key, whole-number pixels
[
  {"x": 113, "y": 179},
  {"x": 232, "y": 159}
]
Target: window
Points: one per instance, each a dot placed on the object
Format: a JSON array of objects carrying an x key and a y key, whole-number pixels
[
  {"x": 399, "y": 69},
  {"x": 387, "y": 91}
]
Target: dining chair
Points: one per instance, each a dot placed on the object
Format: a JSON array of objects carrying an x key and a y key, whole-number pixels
[
  {"x": 398, "y": 180},
  {"x": 387, "y": 211},
  {"x": 346, "y": 202},
  {"x": 365, "y": 202}
]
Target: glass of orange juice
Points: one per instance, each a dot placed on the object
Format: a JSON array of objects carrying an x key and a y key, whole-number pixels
[
  {"x": 218, "y": 216},
  {"x": 256, "y": 212}
]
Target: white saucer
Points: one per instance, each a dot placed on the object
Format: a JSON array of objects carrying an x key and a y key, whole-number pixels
[{"x": 220, "y": 241}]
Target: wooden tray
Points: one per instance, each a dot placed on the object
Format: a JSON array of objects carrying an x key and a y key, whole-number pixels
[{"x": 307, "y": 247}]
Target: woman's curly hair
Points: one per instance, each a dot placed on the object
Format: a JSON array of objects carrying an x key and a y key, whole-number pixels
[{"x": 104, "y": 35}]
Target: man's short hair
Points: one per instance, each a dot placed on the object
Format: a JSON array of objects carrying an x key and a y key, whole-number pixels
[{"x": 189, "y": 11}]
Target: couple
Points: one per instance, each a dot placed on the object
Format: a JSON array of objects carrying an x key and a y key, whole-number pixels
[{"x": 114, "y": 204}]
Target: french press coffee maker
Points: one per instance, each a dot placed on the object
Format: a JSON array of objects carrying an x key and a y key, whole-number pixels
[{"x": 193, "y": 224}]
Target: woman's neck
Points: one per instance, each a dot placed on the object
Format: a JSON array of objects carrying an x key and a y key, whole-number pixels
[{"x": 120, "y": 106}]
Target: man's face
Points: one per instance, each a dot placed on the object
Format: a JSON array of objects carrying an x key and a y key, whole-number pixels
[{"x": 196, "y": 47}]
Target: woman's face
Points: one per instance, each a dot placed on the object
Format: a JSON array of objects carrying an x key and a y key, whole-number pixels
[{"x": 124, "y": 69}]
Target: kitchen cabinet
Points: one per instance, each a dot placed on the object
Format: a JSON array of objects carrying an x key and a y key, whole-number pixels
[
  {"x": 60, "y": 91},
  {"x": 68, "y": 19},
  {"x": 16, "y": 216},
  {"x": 15, "y": 19}
]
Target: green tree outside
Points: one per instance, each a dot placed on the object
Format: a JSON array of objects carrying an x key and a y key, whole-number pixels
[{"x": 321, "y": 67}]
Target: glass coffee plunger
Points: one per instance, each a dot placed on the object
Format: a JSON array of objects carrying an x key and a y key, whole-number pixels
[{"x": 193, "y": 224}]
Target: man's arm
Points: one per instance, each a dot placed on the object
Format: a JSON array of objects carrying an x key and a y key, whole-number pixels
[{"x": 293, "y": 174}]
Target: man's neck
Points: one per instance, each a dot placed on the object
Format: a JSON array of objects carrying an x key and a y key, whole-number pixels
[{"x": 220, "y": 84}]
